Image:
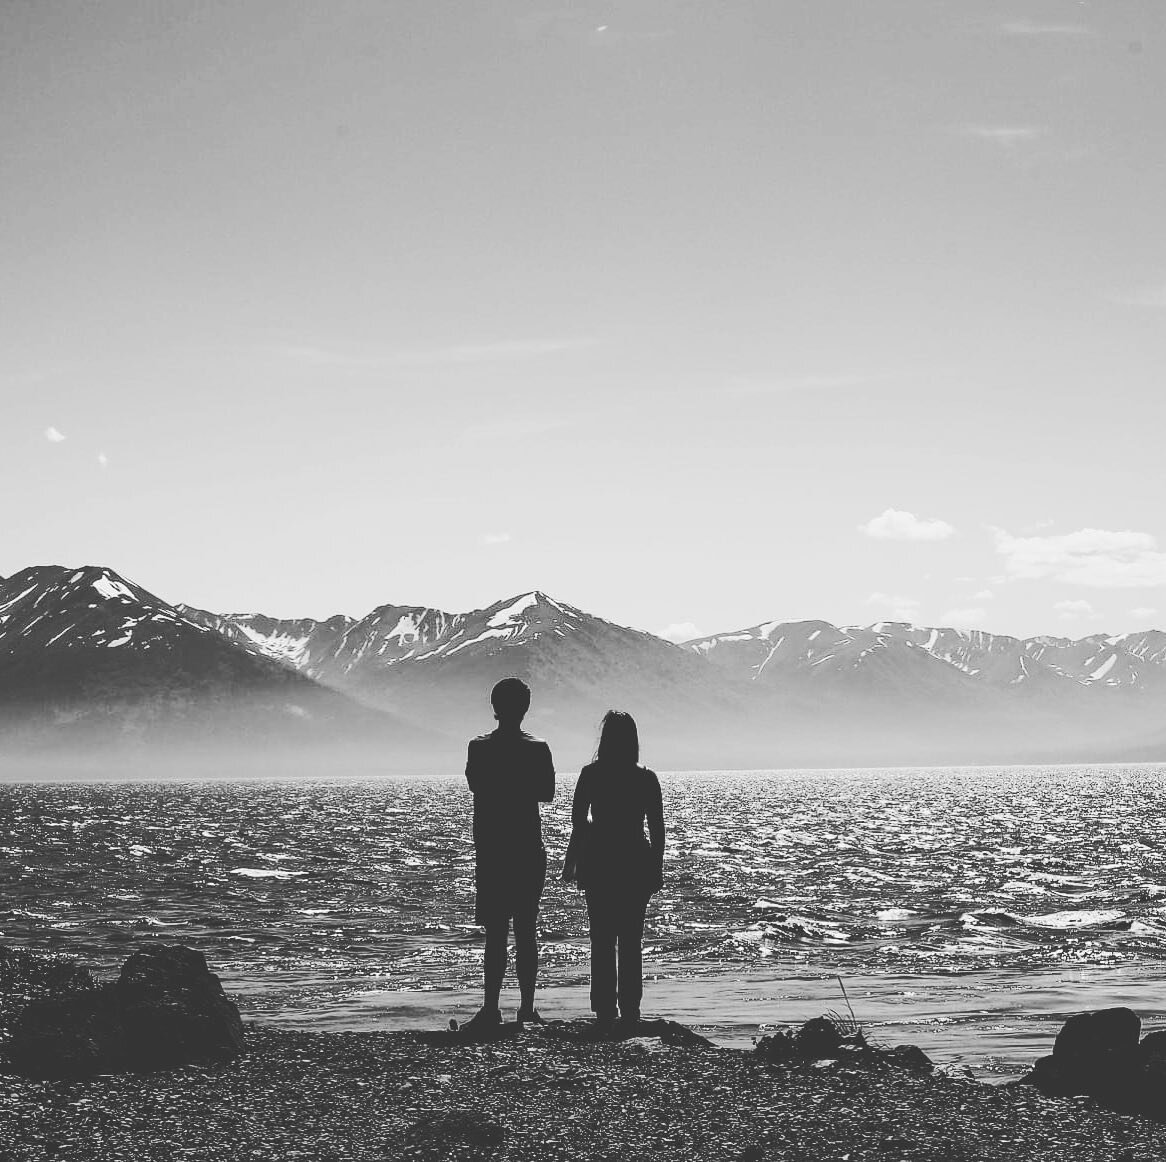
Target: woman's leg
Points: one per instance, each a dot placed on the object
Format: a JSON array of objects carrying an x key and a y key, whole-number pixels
[
  {"x": 631, "y": 956},
  {"x": 602, "y": 920}
]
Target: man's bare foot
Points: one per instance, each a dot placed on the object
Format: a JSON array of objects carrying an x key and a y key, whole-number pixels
[{"x": 529, "y": 1016}]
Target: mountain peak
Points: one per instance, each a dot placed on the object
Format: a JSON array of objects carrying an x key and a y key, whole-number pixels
[{"x": 516, "y": 609}]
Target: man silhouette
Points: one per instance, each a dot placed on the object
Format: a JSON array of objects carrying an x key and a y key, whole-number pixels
[{"x": 509, "y": 773}]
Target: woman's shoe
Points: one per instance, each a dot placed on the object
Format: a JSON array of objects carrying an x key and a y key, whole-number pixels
[
  {"x": 605, "y": 1024},
  {"x": 481, "y": 1024}
]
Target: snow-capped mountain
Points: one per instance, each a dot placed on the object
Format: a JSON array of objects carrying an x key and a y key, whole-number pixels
[
  {"x": 808, "y": 650},
  {"x": 86, "y": 653},
  {"x": 302, "y": 643},
  {"x": 391, "y": 635},
  {"x": 437, "y": 667},
  {"x": 83, "y": 610}
]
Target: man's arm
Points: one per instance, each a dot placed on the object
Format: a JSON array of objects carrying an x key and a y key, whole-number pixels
[
  {"x": 475, "y": 768},
  {"x": 545, "y": 775}
]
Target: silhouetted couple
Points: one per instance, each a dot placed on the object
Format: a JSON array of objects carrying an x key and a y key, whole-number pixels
[{"x": 618, "y": 867}]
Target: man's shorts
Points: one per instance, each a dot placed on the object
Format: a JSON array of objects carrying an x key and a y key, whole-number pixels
[{"x": 509, "y": 884}]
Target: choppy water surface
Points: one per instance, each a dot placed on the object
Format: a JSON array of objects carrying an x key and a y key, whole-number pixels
[{"x": 350, "y": 902}]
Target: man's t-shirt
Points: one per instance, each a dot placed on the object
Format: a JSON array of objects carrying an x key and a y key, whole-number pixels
[{"x": 510, "y": 772}]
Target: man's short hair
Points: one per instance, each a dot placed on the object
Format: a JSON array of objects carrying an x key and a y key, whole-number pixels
[{"x": 510, "y": 698}]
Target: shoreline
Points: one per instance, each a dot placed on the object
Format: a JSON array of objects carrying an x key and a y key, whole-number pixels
[
  {"x": 994, "y": 1022},
  {"x": 545, "y": 1094}
]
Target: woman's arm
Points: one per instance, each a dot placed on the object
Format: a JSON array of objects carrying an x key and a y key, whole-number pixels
[
  {"x": 580, "y": 805},
  {"x": 655, "y": 813}
]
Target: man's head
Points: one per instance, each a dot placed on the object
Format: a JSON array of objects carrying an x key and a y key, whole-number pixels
[{"x": 511, "y": 700}]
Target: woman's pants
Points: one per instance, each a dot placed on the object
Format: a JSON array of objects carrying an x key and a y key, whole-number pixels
[{"x": 617, "y": 932}]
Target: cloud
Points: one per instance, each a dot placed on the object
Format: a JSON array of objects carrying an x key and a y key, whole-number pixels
[
  {"x": 964, "y": 618},
  {"x": 54, "y": 436},
  {"x": 1072, "y": 610},
  {"x": 344, "y": 359},
  {"x": 895, "y": 525},
  {"x": 1098, "y": 558},
  {"x": 806, "y": 383},
  {"x": 1036, "y": 28},
  {"x": 983, "y": 595},
  {"x": 1005, "y": 136},
  {"x": 495, "y": 539},
  {"x": 1152, "y": 296},
  {"x": 103, "y": 459},
  {"x": 512, "y": 428},
  {"x": 899, "y": 608},
  {"x": 680, "y": 631},
  {"x": 1143, "y": 611}
]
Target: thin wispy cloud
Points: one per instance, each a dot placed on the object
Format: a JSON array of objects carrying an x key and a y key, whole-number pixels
[
  {"x": 55, "y": 435},
  {"x": 1143, "y": 611},
  {"x": 1005, "y": 136},
  {"x": 343, "y": 359},
  {"x": 579, "y": 24},
  {"x": 1098, "y": 558},
  {"x": 1042, "y": 28},
  {"x": 965, "y": 618},
  {"x": 509, "y": 428},
  {"x": 495, "y": 539},
  {"x": 896, "y": 525},
  {"x": 1073, "y": 610},
  {"x": 781, "y": 384},
  {"x": 1153, "y": 296},
  {"x": 102, "y": 459},
  {"x": 898, "y": 608}
]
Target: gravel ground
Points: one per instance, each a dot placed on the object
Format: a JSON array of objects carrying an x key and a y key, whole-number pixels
[{"x": 543, "y": 1094}]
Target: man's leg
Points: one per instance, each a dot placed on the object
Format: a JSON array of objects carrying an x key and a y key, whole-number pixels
[
  {"x": 526, "y": 938},
  {"x": 526, "y": 958},
  {"x": 494, "y": 967}
]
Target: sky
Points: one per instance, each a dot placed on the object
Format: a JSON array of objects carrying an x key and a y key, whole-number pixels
[{"x": 692, "y": 313}]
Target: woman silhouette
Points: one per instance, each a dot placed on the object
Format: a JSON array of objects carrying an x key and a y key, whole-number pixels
[{"x": 616, "y": 865}]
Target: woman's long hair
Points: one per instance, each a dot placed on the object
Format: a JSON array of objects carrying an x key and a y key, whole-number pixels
[{"x": 619, "y": 740}]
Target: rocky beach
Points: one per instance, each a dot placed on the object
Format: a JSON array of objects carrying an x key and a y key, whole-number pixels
[{"x": 556, "y": 1092}]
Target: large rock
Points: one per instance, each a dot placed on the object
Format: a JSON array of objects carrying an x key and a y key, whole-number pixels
[
  {"x": 1090, "y": 1035},
  {"x": 1098, "y": 1055},
  {"x": 28, "y": 977},
  {"x": 174, "y": 1010},
  {"x": 166, "y": 1009}
]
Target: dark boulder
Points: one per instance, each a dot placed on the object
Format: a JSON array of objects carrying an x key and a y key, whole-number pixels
[
  {"x": 1098, "y": 1055},
  {"x": 1088, "y": 1035},
  {"x": 174, "y": 1010},
  {"x": 166, "y": 1009},
  {"x": 28, "y": 977},
  {"x": 69, "y": 1037}
]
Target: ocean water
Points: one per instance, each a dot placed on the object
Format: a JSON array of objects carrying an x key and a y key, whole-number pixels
[{"x": 968, "y": 910}]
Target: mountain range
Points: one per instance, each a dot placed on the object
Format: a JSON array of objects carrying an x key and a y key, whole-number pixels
[{"x": 90, "y": 660}]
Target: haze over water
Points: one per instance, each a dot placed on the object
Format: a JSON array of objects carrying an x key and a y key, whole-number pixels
[{"x": 967, "y": 909}]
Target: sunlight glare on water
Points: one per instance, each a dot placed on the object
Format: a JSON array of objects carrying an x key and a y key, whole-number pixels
[{"x": 323, "y": 900}]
